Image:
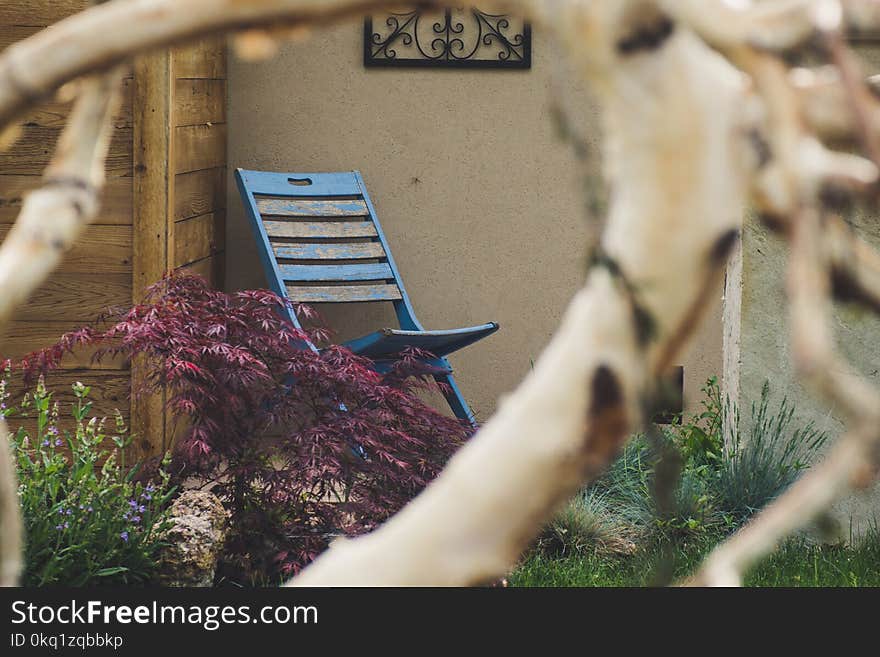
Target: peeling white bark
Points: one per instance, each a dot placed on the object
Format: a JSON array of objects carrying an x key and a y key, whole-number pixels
[
  {"x": 677, "y": 151},
  {"x": 54, "y": 215},
  {"x": 11, "y": 534},
  {"x": 474, "y": 520},
  {"x": 51, "y": 219}
]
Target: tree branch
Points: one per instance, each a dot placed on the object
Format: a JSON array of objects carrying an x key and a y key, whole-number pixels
[
  {"x": 11, "y": 531},
  {"x": 109, "y": 34},
  {"x": 51, "y": 219},
  {"x": 669, "y": 232},
  {"x": 802, "y": 169},
  {"x": 54, "y": 215}
]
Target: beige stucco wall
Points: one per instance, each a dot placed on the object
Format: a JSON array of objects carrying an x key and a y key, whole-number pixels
[
  {"x": 482, "y": 203},
  {"x": 765, "y": 354},
  {"x": 758, "y": 349}
]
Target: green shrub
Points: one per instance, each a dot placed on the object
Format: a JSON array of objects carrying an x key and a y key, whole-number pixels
[
  {"x": 730, "y": 471},
  {"x": 758, "y": 466},
  {"x": 87, "y": 522},
  {"x": 700, "y": 439},
  {"x": 693, "y": 512},
  {"x": 585, "y": 525},
  {"x": 628, "y": 490},
  {"x": 720, "y": 486},
  {"x": 626, "y": 486}
]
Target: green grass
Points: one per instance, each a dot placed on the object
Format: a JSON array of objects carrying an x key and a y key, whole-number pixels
[
  {"x": 796, "y": 563},
  {"x": 649, "y": 521},
  {"x": 600, "y": 569}
]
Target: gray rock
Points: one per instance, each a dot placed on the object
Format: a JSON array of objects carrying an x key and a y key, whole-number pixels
[{"x": 195, "y": 540}]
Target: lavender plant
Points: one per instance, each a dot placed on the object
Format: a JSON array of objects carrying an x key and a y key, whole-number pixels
[{"x": 87, "y": 521}]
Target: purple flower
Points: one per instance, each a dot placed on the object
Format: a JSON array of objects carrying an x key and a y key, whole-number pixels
[
  {"x": 63, "y": 525},
  {"x": 45, "y": 443},
  {"x": 53, "y": 431},
  {"x": 58, "y": 442},
  {"x": 124, "y": 536},
  {"x": 141, "y": 508},
  {"x": 136, "y": 519},
  {"x": 133, "y": 504}
]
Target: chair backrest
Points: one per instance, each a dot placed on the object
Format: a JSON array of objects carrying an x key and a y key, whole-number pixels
[{"x": 320, "y": 240}]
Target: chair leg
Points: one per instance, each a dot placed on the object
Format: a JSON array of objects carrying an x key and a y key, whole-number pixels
[{"x": 455, "y": 399}]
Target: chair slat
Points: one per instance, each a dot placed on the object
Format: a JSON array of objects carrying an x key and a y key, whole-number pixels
[
  {"x": 351, "y": 251},
  {"x": 302, "y": 207},
  {"x": 343, "y": 293},
  {"x": 268, "y": 183},
  {"x": 326, "y": 230},
  {"x": 368, "y": 272}
]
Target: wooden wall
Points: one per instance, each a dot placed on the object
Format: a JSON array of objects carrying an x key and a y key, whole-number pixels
[
  {"x": 98, "y": 272},
  {"x": 180, "y": 183},
  {"x": 199, "y": 120},
  {"x": 163, "y": 209}
]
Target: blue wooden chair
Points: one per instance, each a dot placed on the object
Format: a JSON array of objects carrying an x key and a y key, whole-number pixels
[{"x": 320, "y": 242}]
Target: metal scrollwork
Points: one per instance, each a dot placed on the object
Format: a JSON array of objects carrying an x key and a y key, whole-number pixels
[{"x": 452, "y": 38}]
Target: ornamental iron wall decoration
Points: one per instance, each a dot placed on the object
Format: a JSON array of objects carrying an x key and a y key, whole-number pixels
[{"x": 453, "y": 38}]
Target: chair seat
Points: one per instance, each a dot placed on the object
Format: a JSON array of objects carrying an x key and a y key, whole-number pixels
[{"x": 387, "y": 342}]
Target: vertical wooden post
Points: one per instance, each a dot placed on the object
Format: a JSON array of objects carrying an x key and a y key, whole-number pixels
[{"x": 153, "y": 232}]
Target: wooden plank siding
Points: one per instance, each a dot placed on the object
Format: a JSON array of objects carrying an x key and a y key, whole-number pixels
[
  {"x": 212, "y": 268},
  {"x": 199, "y": 147},
  {"x": 199, "y": 165},
  {"x": 153, "y": 230},
  {"x": 53, "y": 113},
  {"x": 199, "y": 102},
  {"x": 102, "y": 250},
  {"x": 39, "y": 13},
  {"x": 199, "y": 237},
  {"x": 97, "y": 272},
  {"x": 35, "y": 147},
  {"x": 180, "y": 184},
  {"x": 164, "y": 208},
  {"x": 199, "y": 190},
  {"x": 116, "y": 201},
  {"x": 10, "y": 32},
  {"x": 77, "y": 297},
  {"x": 204, "y": 60},
  {"x": 110, "y": 390},
  {"x": 22, "y": 337}
]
